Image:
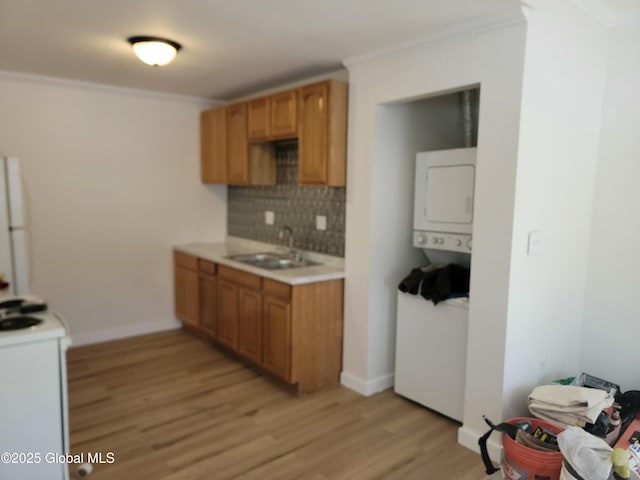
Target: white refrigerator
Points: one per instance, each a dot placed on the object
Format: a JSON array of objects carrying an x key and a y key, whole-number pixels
[{"x": 14, "y": 246}]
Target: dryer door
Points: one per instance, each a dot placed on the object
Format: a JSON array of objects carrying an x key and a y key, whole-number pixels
[
  {"x": 450, "y": 194},
  {"x": 444, "y": 191}
]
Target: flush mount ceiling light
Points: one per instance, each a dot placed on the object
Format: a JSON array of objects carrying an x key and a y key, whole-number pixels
[{"x": 154, "y": 50}]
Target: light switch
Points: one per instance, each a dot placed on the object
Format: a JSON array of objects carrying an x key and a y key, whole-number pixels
[
  {"x": 535, "y": 243},
  {"x": 321, "y": 222},
  {"x": 269, "y": 217}
]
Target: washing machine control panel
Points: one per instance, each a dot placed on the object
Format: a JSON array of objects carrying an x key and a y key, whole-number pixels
[{"x": 454, "y": 242}]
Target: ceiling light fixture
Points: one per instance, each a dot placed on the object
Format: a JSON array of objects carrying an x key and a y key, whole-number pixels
[{"x": 154, "y": 50}]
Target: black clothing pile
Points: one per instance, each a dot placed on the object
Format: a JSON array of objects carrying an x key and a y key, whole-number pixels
[{"x": 437, "y": 283}]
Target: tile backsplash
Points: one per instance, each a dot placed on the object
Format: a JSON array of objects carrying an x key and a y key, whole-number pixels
[{"x": 293, "y": 205}]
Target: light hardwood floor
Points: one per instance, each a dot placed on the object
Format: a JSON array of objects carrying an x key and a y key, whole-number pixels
[{"x": 171, "y": 407}]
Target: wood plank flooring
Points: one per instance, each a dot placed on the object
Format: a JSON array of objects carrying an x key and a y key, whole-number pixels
[{"x": 171, "y": 407}]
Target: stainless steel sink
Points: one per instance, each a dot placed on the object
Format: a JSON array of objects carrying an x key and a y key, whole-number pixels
[{"x": 271, "y": 261}]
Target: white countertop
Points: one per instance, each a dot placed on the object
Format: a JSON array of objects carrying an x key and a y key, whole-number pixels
[{"x": 330, "y": 268}]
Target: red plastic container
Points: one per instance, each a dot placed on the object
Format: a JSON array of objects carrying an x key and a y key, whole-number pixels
[{"x": 524, "y": 463}]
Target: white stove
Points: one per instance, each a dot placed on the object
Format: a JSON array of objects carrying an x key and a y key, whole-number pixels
[
  {"x": 33, "y": 379},
  {"x": 52, "y": 325}
]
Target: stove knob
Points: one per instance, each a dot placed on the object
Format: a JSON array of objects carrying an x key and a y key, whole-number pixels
[
  {"x": 434, "y": 240},
  {"x": 421, "y": 239},
  {"x": 469, "y": 244},
  {"x": 458, "y": 242}
]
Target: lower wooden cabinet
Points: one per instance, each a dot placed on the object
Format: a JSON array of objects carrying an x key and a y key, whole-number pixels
[
  {"x": 227, "y": 314},
  {"x": 292, "y": 332},
  {"x": 186, "y": 294},
  {"x": 250, "y": 325},
  {"x": 276, "y": 340},
  {"x": 209, "y": 304}
]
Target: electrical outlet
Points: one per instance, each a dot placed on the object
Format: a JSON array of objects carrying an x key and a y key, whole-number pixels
[
  {"x": 321, "y": 222},
  {"x": 534, "y": 244},
  {"x": 269, "y": 217}
]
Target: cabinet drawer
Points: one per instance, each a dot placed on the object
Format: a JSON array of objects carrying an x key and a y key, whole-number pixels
[
  {"x": 277, "y": 289},
  {"x": 185, "y": 260},
  {"x": 205, "y": 266},
  {"x": 241, "y": 278}
]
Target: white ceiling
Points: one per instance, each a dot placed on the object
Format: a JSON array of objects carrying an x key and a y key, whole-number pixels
[{"x": 230, "y": 47}]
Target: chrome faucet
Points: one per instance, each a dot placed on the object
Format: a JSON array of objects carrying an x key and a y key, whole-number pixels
[{"x": 292, "y": 252}]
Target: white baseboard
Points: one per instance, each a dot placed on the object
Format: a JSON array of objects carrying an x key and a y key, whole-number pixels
[
  {"x": 469, "y": 439},
  {"x": 117, "y": 333},
  {"x": 366, "y": 387}
]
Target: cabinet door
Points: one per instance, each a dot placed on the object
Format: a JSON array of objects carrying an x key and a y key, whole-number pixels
[
  {"x": 313, "y": 133},
  {"x": 208, "y": 305},
  {"x": 238, "y": 146},
  {"x": 228, "y": 314},
  {"x": 213, "y": 146},
  {"x": 276, "y": 338},
  {"x": 258, "y": 121},
  {"x": 250, "y": 324},
  {"x": 187, "y": 296},
  {"x": 284, "y": 114}
]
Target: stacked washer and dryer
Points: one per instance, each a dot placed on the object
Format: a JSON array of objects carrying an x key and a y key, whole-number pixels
[{"x": 431, "y": 340}]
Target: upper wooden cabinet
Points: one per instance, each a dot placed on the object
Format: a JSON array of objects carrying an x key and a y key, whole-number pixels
[
  {"x": 213, "y": 145},
  {"x": 274, "y": 117},
  {"x": 284, "y": 114},
  {"x": 259, "y": 119},
  {"x": 322, "y": 134},
  {"x": 236, "y": 140},
  {"x": 226, "y": 156},
  {"x": 238, "y": 147}
]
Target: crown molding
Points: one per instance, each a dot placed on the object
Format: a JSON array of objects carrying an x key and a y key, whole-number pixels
[
  {"x": 606, "y": 15},
  {"x": 627, "y": 18},
  {"x": 340, "y": 74},
  {"x": 597, "y": 10},
  {"x": 63, "y": 82},
  {"x": 462, "y": 30}
]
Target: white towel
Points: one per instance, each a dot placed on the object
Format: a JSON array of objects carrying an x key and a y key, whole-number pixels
[
  {"x": 568, "y": 405},
  {"x": 569, "y": 395},
  {"x": 589, "y": 456}
]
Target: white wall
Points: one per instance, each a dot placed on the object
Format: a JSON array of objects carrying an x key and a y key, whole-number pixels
[
  {"x": 559, "y": 130},
  {"x": 540, "y": 119},
  {"x": 113, "y": 183},
  {"x": 494, "y": 60},
  {"x": 609, "y": 341}
]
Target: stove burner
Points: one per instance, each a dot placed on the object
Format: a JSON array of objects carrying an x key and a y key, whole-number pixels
[
  {"x": 18, "y": 322},
  {"x": 13, "y": 303},
  {"x": 20, "y": 306}
]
